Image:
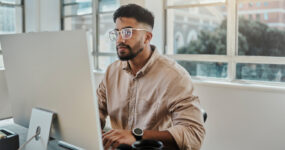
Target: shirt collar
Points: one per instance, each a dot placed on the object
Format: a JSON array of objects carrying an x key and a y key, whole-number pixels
[{"x": 146, "y": 67}]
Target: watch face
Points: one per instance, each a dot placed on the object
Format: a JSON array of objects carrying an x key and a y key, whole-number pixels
[{"x": 138, "y": 131}]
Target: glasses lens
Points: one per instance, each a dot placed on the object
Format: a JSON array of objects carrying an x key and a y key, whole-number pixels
[
  {"x": 113, "y": 35},
  {"x": 126, "y": 33}
]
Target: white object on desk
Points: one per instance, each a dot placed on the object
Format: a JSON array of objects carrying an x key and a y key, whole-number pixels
[{"x": 41, "y": 121}]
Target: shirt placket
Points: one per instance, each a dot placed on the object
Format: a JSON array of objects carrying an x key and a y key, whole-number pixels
[{"x": 132, "y": 103}]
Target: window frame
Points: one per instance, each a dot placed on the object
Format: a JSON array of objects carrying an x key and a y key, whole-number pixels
[
  {"x": 95, "y": 15},
  {"x": 98, "y": 53},
  {"x": 11, "y": 5},
  {"x": 22, "y": 5},
  {"x": 231, "y": 57}
]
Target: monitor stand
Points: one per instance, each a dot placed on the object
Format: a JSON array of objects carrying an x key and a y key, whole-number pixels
[{"x": 39, "y": 130}]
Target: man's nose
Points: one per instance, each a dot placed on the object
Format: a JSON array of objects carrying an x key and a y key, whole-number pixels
[{"x": 120, "y": 39}]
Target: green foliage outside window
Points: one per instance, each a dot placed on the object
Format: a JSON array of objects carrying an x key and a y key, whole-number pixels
[{"x": 254, "y": 39}]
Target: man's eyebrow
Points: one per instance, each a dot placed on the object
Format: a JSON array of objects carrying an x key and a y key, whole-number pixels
[{"x": 124, "y": 27}]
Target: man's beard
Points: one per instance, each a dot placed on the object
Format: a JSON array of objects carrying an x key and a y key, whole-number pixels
[{"x": 131, "y": 54}]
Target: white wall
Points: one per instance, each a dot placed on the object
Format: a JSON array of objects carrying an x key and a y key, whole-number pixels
[{"x": 243, "y": 118}]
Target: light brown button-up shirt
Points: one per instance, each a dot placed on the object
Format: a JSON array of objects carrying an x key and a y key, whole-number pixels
[{"x": 159, "y": 97}]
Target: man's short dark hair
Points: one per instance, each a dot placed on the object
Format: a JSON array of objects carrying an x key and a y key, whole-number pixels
[{"x": 135, "y": 11}]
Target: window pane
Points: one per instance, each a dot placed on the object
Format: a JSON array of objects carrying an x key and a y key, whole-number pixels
[
  {"x": 78, "y": 22},
  {"x": 205, "y": 69},
  {"x": 106, "y": 24},
  {"x": 108, "y": 5},
  {"x": 11, "y": 1},
  {"x": 10, "y": 20},
  {"x": 261, "y": 72},
  {"x": 197, "y": 30},
  {"x": 262, "y": 28},
  {"x": 78, "y": 7},
  {"x": 105, "y": 61},
  {"x": 184, "y": 2},
  {"x": 76, "y": 1},
  {"x": 1, "y": 62}
]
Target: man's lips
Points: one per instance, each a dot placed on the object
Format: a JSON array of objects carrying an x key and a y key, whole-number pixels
[{"x": 122, "y": 48}]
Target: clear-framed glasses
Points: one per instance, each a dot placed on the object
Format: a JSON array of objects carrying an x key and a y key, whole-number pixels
[{"x": 126, "y": 33}]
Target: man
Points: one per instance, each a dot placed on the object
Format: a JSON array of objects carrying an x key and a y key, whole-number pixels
[{"x": 147, "y": 95}]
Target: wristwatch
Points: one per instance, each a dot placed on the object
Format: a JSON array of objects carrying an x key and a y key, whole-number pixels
[{"x": 138, "y": 133}]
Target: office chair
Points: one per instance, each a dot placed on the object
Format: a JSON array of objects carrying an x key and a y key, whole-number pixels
[{"x": 205, "y": 115}]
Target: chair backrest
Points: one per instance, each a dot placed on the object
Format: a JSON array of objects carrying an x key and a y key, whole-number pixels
[{"x": 205, "y": 115}]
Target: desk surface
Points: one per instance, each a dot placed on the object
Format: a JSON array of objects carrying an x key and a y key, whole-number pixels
[{"x": 22, "y": 132}]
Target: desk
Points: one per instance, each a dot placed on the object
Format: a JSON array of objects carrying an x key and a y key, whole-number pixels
[{"x": 22, "y": 132}]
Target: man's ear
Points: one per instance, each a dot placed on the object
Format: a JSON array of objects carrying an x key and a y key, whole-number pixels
[{"x": 148, "y": 37}]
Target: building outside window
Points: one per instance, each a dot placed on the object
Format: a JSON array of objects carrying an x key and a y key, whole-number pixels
[
  {"x": 11, "y": 19},
  {"x": 258, "y": 4},
  {"x": 250, "y": 16},
  {"x": 265, "y": 3},
  {"x": 240, "y": 5},
  {"x": 265, "y": 16},
  {"x": 262, "y": 40},
  {"x": 257, "y": 17},
  {"x": 241, "y": 49}
]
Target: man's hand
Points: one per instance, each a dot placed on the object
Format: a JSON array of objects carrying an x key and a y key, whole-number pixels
[{"x": 114, "y": 138}]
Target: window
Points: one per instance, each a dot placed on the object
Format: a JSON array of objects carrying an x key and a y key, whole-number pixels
[
  {"x": 236, "y": 45},
  {"x": 250, "y": 4},
  {"x": 265, "y": 16},
  {"x": 250, "y": 16},
  {"x": 258, "y": 4},
  {"x": 198, "y": 36},
  {"x": 77, "y": 14},
  {"x": 265, "y": 41},
  {"x": 240, "y": 5},
  {"x": 261, "y": 72},
  {"x": 11, "y": 20},
  {"x": 81, "y": 14},
  {"x": 191, "y": 2},
  {"x": 257, "y": 17},
  {"x": 265, "y": 3}
]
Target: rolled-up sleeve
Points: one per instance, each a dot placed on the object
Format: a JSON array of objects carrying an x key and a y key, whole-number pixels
[
  {"x": 188, "y": 126},
  {"x": 101, "y": 94}
]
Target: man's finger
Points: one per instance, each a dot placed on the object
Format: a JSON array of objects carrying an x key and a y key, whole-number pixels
[
  {"x": 116, "y": 144},
  {"x": 106, "y": 138},
  {"x": 108, "y": 144},
  {"x": 107, "y": 133}
]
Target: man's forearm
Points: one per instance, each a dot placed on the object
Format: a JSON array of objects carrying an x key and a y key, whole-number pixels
[{"x": 164, "y": 136}]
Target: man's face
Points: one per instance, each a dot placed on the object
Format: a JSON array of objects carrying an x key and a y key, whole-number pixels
[{"x": 128, "y": 49}]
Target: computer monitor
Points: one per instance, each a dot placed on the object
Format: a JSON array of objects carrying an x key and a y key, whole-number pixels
[{"x": 53, "y": 71}]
